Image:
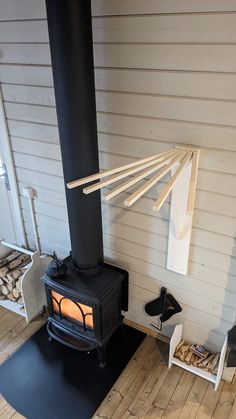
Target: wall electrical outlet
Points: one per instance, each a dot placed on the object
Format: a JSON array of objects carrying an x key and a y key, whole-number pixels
[{"x": 28, "y": 192}]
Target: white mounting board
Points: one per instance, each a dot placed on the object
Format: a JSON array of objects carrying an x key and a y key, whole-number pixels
[{"x": 180, "y": 224}]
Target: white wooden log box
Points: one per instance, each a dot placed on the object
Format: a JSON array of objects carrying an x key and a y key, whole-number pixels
[
  {"x": 32, "y": 288},
  {"x": 176, "y": 339}
]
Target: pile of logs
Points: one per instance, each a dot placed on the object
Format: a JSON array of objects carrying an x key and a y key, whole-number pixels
[
  {"x": 207, "y": 363},
  {"x": 12, "y": 269}
]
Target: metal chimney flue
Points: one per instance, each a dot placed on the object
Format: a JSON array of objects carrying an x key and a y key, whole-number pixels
[{"x": 70, "y": 35}]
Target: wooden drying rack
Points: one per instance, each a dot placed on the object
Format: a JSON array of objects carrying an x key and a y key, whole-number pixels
[{"x": 182, "y": 162}]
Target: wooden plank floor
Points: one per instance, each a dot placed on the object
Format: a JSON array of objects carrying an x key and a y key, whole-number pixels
[
  {"x": 148, "y": 389},
  {"x": 145, "y": 389},
  {"x": 14, "y": 332}
]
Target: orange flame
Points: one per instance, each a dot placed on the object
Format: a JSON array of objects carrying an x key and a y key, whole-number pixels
[{"x": 70, "y": 310}]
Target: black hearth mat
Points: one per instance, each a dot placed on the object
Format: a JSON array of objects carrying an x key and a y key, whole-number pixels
[{"x": 50, "y": 381}]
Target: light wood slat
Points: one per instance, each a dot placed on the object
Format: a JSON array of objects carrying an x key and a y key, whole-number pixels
[
  {"x": 24, "y": 31},
  {"x": 25, "y": 9},
  {"x": 2, "y": 402},
  {"x": 137, "y": 387},
  {"x": 171, "y": 28},
  {"x": 123, "y": 7},
  {"x": 139, "y": 407},
  {"x": 38, "y": 164},
  {"x": 194, "y": 399},
  {"x": 150, "y": 29},
  {"x": 187, "y": 84},
  {"x": 36, "y": 54},
  {"x": 226, "y": 400},
  {"x": 19, "y": 325},
  {"x": 38, "y": 114},
  {"x": 184, "y": 83},
  {"x": 160, "y": 201},
  {"x": 153, "y": 164},
  {"x": 180, "y": 395},
  {"x": 19, "y": 340},
  {"x": 101, "y": 175},
  {"x": 215, "y": 58},
  {"x": 163, "y": 397},
  {"x": 149, "y": 184},
  {"x": 27, "y": 75},
  {"x": 193, "y": 183},
  {"x": 168, "y": 107},
  {"x": 7, "y": 412},
  {"x": 38, "y": 132},
  {"x": 35, "y": 95},
  {"x": 17, "y": 415},
  {"x": 36, "y": 148},
  {"x": 209, "y": 402},
  {"x": 170, "y": 131}
]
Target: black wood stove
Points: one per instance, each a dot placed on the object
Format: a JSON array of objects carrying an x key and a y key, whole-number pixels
[
  {"x": 85, "y": 302},
  {"x": 84, "y": 312}
]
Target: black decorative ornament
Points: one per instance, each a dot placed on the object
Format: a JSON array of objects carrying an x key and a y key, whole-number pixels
[{"x": 56, "y": 268}]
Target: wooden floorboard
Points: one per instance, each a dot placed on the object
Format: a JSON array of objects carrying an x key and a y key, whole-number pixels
[
  {"x": 153, "y": 391},
  {"x": 145, "y": 389}
]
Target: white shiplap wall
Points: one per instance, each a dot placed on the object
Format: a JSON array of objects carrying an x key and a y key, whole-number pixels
[{"x": 165, "y": 74}]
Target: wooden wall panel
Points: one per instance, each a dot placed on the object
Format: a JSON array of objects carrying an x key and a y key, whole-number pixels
[
  {"x": 165, "y": 74},
  {"x": 136, "y": 7}
]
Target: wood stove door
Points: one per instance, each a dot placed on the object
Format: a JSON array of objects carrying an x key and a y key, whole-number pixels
[{"x": 75, "y": 315}]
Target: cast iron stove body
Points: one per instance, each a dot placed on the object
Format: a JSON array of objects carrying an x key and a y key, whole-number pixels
[{"x": 85, "y": 312}]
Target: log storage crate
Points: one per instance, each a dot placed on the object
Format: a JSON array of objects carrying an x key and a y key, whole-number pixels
[
  {"x": 214, "y": 378},
  {"x": 21, "y": 288}
]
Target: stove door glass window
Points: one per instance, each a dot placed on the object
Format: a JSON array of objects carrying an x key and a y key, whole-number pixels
[{"x": 72, "y": 310}]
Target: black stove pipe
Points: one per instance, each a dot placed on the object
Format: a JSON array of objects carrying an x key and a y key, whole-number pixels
[{"x": 70, "y": 35}]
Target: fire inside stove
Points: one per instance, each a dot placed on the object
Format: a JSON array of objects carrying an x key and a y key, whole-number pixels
[{"x": 72, "y": 310}]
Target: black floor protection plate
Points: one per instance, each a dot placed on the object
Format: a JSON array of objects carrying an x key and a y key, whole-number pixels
[{"x": 50, "y": 381}]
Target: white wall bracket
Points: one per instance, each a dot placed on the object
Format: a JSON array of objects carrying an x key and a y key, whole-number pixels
[{"x": 182, "y": 161}]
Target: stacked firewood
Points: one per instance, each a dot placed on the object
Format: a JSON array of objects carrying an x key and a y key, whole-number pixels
[
  {"x": 12, "y": 269},
  {"x": 197, "y": 356}
]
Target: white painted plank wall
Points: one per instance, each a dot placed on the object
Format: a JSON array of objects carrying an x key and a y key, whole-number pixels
[{"x": 165, "y": 74}]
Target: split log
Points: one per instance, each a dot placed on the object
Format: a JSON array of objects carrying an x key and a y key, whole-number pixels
[
  {"x": 212, "y": 365},
  {"x": 10, "y": 286},
  {"x": 3, "y": 271},
  {"x": 4, "y": 290},
  {"x": 15, "y": 293},
  {"x": 181, "y": 343},
  {"x": 11, "y": 297},
  {"x": 188, "y": 357},
  {"x": 9, "y": 258},
  {"x": 207, "y": 360},
  {"x": 1, "y": 281},
  {"x": 2, "y": 297},
  {"x": 18, "y": 283},
  {"x": 12, "y": 276},
  {"x": 18, "y": 261}
]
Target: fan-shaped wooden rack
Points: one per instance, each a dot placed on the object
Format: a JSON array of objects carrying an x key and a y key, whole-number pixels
[{"x": 182, "y": 161}]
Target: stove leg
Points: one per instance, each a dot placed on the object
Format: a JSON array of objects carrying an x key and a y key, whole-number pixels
[{"x": 101, "y": 351}]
